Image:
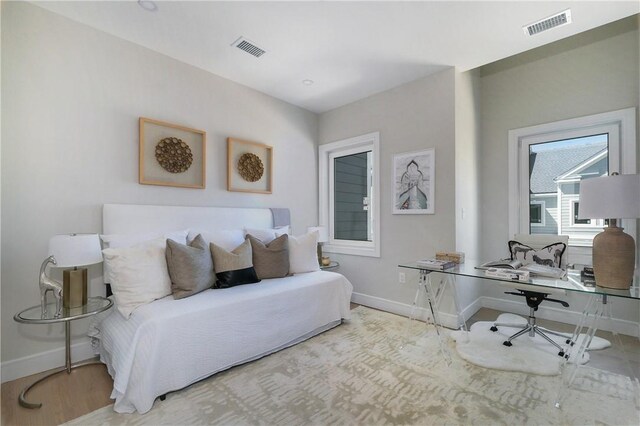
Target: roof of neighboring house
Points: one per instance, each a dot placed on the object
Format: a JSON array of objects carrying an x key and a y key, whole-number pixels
[{"x": 549, "y": 164}]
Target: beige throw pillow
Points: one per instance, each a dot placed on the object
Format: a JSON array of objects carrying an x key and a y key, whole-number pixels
[
  {"x": 234, "y": 267},
  {"x": 190, "y": 267},
  {"x": 270, "y": 260}
]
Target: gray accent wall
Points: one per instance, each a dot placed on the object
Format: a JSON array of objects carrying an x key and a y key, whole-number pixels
[
  {"x": 71, "y": 98},
  {"x": 590, "y": 73}
]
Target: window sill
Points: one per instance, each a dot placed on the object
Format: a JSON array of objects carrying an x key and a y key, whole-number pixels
[{"x": 350, "y": 250}]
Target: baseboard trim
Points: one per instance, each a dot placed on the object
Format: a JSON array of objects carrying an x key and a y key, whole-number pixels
[
  {"x": 566, "y": 316},
  {"x": 43, "y": 361},
  {"x": 620, "y": 326},
  {"x": 448, "y": 320}
]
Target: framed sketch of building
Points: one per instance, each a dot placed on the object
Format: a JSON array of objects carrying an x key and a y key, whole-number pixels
[{"x": 414, "y": 182}]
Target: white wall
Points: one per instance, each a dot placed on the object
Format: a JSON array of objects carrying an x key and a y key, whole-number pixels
[
  {"x": 467, "y": 177},
  {"x": 590, "y": 73},
  {"x": 414, "y": 116},
  {"x": 71, "y": 100}
]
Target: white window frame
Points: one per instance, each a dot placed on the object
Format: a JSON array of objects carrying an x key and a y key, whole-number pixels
[
  {"x": 543, "y": 215},
  {"x": 621, "y": 126},
  {"x": 596, "y": 223},
  {"x": 326, "y": 154}
]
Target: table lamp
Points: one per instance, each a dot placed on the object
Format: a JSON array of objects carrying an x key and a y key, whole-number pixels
[
  {"x": 323, "y": 237},
  {"x": 612, "y": 197},
  {"x": 74, "y": 251}
]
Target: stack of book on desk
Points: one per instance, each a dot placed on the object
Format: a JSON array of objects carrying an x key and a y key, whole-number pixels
[
  {"x": 587, "y": 277},
  {"x": 510, "y": 274},
  {"x": 533, "y": 268},
  {"x": 435, "y": 264}
]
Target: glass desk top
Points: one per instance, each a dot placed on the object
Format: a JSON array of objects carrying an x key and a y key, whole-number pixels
[
  {"x": 570, "y": 283},
  {"x": 33, "y": 315}
]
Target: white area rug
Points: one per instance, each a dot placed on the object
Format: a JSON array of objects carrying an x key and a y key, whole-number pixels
[
  {"x": 355, "y": 374},
  {"x": 528, "y": 354}
]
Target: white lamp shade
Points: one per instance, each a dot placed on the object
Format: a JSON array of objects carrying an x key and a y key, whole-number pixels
[
  {"x": 610, "y": 197},
  {"x": 75, "y": 250},
  {"x": 323, "y": 233}
]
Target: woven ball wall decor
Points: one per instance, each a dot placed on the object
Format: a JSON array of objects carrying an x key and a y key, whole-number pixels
[
  {"x": 250, "y": 167},
  {"x": 174, "y": 155}
]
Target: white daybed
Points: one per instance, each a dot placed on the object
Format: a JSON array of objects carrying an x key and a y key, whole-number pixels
[{"x": 169, "y": 344}]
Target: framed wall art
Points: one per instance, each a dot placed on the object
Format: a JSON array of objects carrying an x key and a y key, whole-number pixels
[
  {"x": 171, "y": 155},
  {"x": 414, "y": 182},
  {"x": 249, "y": 166}
]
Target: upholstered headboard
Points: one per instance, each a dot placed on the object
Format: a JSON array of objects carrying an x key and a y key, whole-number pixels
[
  {"x": 141, "y": 219},
  {"x": 136, "y": 218}
]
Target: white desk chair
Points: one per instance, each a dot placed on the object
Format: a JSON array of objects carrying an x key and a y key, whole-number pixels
[{"x": 534, "y": 298}]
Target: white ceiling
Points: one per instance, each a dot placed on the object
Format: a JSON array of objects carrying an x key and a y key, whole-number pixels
[{"x": 349, "y": 49}]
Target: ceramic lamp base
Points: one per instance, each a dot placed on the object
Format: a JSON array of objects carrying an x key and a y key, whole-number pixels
[
  {"x": 74, "y": 285},
  {"x": 614, "y": 254}
]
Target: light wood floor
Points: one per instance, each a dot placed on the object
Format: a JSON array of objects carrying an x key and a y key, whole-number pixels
[
  {"x": 67, "y": 396},
  {"x": 63, "y": 396}
]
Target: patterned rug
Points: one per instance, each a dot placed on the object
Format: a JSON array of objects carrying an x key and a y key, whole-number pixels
[{"x": 355, "y": 374}]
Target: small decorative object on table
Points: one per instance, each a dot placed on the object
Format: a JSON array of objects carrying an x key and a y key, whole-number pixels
[
  {"x": 435, "y": 264},
  {"x": 451, "y": 256},
  {"x": 49, "y": 285},
  {"x": 326, "y": 261}
]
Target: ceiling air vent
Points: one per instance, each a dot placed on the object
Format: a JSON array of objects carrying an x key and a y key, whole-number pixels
[
  {"x": 557, "y": 20},
  {"x": 249, "y": 47}
]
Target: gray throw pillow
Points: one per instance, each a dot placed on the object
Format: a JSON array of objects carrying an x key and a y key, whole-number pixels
[
  {"x": 190, "y": 267},
  {"x": 270, "y": 260},
  {"x": 233, "y": 267}
]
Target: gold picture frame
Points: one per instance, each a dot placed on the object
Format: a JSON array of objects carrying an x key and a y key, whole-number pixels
[
  {"x": 171, "y": 155},
  {"x": 249, "y": 166}
]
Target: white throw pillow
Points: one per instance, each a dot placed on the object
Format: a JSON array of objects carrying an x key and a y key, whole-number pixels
[
  {"x": 228, "y": 239},
  {"x": 303, "y": 254},
  {"x": 129, "y": 240},
  {"x": 267, "y": 235},
  {"x": 139, "y": 274}
]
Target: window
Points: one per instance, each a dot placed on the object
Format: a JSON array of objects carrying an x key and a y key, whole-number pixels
[
  {"x": 547, "y": 164},
  {"x": 575, "y": 206},
  {"x": 537, "y": 213},
  {"x": 349, "y": 194}
]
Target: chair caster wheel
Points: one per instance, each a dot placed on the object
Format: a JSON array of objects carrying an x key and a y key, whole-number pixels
[
  {"x": 507, "y": 343},
  {"x": 561, "y": 353},
  {"x": 494, "y": 328}
]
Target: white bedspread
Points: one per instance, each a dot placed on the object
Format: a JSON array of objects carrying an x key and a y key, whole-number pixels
[{"x": 169, "y": 344}]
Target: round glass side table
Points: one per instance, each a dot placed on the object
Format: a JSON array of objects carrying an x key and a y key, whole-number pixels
[
  {"x": 33, "y": 315},
  {"x": 332, "y": 265}
]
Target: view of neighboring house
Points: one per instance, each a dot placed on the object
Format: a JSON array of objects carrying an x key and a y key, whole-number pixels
[{"x": 555, "y": 171}]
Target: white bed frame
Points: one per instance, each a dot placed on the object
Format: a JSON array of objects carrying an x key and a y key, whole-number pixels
[{"x": 225, "y": 327}]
